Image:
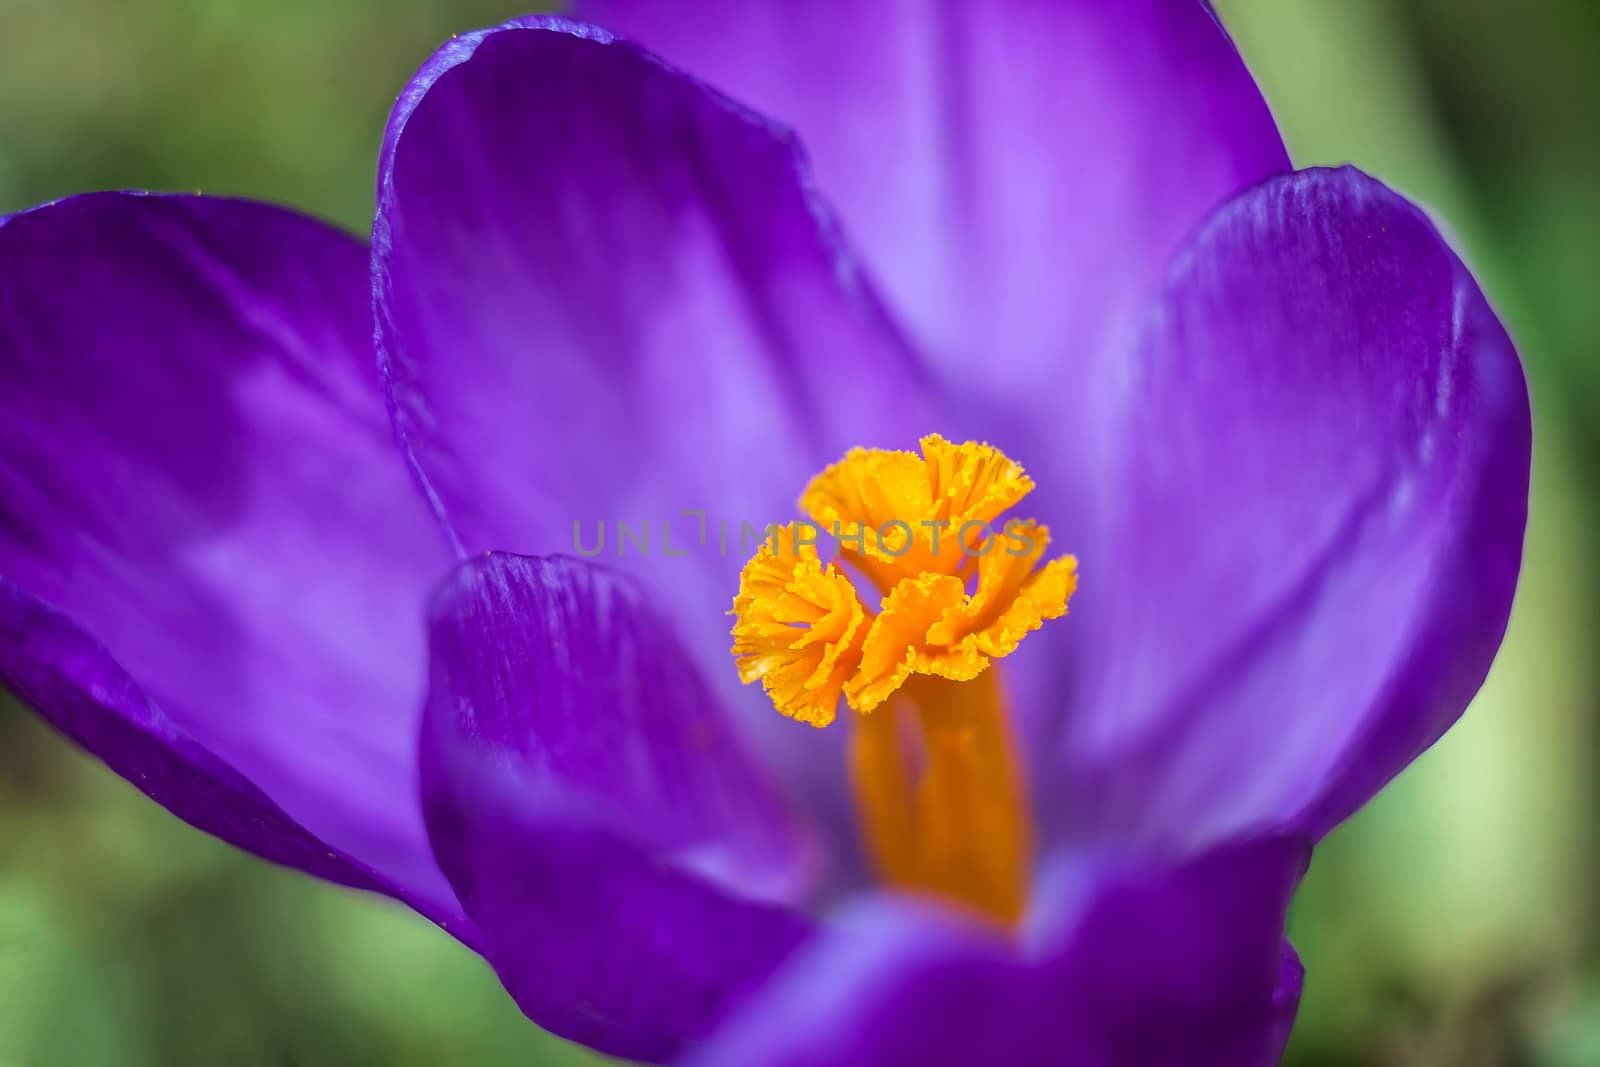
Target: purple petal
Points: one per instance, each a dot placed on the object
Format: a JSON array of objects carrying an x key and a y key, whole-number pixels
[
  {"x": 623, "y": 858},
  {"x": 1018, "y": 173},
  {"x": 608, "y": 294},
  {"x": 199, "y": 488},
  {"x": 1137, "y": 967},
  {"x": 1319, "y": 466},
  {"x": 1286, "y": 999},
  {"x": 55, "y": 666}
]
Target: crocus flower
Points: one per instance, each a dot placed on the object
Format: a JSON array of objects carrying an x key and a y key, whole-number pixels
[{"x": 300, "y": 537}]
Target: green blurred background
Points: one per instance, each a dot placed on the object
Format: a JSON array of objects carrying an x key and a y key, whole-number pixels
[{"x": 1452, "y": 923}]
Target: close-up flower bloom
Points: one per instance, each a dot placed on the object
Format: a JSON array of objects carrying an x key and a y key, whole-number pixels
[{"x": 1231, "y": 462}]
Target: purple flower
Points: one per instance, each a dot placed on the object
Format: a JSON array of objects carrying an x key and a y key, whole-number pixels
[{"x": 1269, "y": 411}]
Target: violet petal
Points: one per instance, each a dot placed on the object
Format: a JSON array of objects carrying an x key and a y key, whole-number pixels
[
  {"x": 626, "y": 862},
  {"x": 1318, "y": 462},
  {"x": 199, "y": 487},
  {"x": 1018, "y": 173},
  {"x": 607, "y": 294},
  {"x": 1130, "y": 964}
]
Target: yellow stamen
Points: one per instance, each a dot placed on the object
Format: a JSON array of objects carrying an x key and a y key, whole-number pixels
[
  {"x": 937, "y": 778},
  {"x": 900, "y": 514},
  {"x": 799, "y": 627}
]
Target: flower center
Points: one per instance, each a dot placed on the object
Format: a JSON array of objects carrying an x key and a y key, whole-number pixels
[{"x": 937, "y": 780}]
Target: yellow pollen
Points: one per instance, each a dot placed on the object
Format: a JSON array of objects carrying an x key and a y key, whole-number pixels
[
  {"x": 937, "y": 779},
  {"x": 799, "y": 627},
  {"x": 901, "y": 514}
]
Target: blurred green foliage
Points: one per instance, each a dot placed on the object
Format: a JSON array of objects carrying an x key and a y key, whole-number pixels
[{"x": 1451, "y": 923}]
